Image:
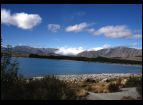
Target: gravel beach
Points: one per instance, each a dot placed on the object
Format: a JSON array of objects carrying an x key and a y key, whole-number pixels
[
  {"x": 82, "y": 77},
  {"x": 102, "y": 76}
]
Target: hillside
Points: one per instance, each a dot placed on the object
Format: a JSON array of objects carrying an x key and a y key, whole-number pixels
[{"x": 117, "y": 52}]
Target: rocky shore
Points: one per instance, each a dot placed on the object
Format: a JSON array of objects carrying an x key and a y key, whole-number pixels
[
  {"x": 106, "y": 86},
  {"x": 83, "y": 77}
]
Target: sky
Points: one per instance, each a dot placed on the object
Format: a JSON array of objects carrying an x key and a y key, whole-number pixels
[{"x": 72, "y": 27}]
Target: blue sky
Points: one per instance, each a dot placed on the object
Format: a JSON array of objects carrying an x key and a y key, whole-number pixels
[{"x": 72, "y": 25}]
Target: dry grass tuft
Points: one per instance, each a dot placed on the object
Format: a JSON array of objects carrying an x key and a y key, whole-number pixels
[{"x": 82, "y": 93}]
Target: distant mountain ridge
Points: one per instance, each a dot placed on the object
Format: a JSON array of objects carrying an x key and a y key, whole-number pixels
[
  {"x": 32, "y": 50},
  {"x": 116, "y": 52}
]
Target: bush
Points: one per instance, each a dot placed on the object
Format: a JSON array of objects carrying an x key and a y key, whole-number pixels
[
  {"x": 90, "y": 80},
  {"x": 9, "y": 75},
  {"x": 82, "y": 93},
  {"x": 48, "y": 88},
  {"x": 99, "y": 88},
  {"x": 15, "y": 87},
  {"x": 134, "y": 81},
  {"x": 113, "y": 87}
]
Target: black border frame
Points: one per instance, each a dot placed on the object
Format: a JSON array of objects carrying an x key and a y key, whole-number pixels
[
  {"x": 120, "y": 102},
  {"x": 71, "y": 1}
]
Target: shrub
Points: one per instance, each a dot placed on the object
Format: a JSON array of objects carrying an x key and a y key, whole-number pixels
[
  {"x": 99, "y": 87},
  {"x": 15, "y": 87},
  {"x": 113, "y": 87},
  {"x": 133, "y": 81},
  {"x": 82, "y": 93},
  {"x": 9, "y": 74},
  {"x": 90, "y": 80},
  {"x": 48, "y": 88}
]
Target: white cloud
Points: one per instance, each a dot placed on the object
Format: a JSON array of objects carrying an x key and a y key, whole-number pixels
[
  {"x": 91, "y": 31},
  {"x": 77, "y": 27},
  {"x": 137, "y": 36},
  {"x": 75, "y": 51},
  {"x": 99, "y": 48},
  {"x": 69, "y": 51},
  {"x": 95, "y": 49},
  {"x": 21, "y": 20},
  {"x": 106, "y": 46},
  {"x": 53, "y": 27},
  {"x": 119, "y": 31},
  {"x": 6, "y": 16},
  {"x": 110, "y": 31}
]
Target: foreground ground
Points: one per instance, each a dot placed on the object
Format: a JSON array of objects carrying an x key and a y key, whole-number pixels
[
  {"x": 125, "y": 92},
  {"x": 113, "y": 86}
]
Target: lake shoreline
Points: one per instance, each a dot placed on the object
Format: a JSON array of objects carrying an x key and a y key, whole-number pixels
[
  {"x": 137, "y": 65},
  {"x": 83, "y": 77}
]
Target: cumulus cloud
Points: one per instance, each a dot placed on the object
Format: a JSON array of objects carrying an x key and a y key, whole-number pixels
[
  {"x": 6, "y": 17},
  {"x": 69, "y": 51},
  {"x": 75, "y": 51},
  {"x": 99, "y": 48},
  {"x": 95, "y": 49},
  {"x": 119, "y": 31},
  {"x": 77, "y": 27},
  {"x": 110, "y": 31},
  {"x": 91, "y": 31},
  {"x": 106, "y": 46},
  {"x": 21, "y": 20},
  {"x": 53, "y": 27}
]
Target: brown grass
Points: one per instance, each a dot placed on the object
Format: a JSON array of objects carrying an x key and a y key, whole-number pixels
[
  {"x": 82, "y": 93},
  {"x": 100, "y": 88}
]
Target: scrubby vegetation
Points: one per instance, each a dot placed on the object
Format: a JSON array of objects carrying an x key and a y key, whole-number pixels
[
  {"x": 48, "y": 88},
  {"x": 134, "y": 81},
  {"x": 16, "y": 87},
  {"x": 113, "y": 87},
  {"x": 96, "y": 86},
  {"x": 82, "y": 93}
]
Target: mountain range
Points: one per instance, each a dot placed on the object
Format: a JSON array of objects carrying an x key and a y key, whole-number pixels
[
  {"x": 31, "y": 50},
  {"x": 120, "y": 52},
  {"x": 116, "y": 52}
]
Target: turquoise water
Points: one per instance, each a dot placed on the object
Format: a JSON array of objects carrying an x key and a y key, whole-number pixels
[{"x": 41, "y": 67}]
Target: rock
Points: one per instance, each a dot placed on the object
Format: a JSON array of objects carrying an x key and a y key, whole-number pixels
[
  {"x": 104, "y": 80},
  {"x": 124, "y": 81}
]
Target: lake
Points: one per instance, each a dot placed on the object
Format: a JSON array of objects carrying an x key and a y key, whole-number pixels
[{"x": 40, "y": 67}]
